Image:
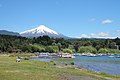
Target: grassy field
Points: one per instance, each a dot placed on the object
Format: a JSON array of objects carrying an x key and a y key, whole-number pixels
[{"x": 37, "y": 70}]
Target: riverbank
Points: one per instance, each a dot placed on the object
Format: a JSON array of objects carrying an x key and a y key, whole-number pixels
[
  {"x": 38, "y": 70},
  {"x": 96, "y": 64}
]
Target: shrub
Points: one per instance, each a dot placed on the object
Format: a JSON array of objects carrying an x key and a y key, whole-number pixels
[
  {"x": 87, "y": 49},
  {"x": 72, "y": 63},
  {"x": 26, "y": 58},
  {"x": 107, "y": 50},
  {"x": 67, "y": 51},
  {"x": 54, "y": 64},
  {"x": 51, "y": 61},
  {"x": 66, "y": 64},
  {"x": 49, "y": 49},
  {"x": 44, "y": 66}
]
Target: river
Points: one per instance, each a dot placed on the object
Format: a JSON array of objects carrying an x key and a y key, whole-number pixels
[{"x": 97, "y": 64}]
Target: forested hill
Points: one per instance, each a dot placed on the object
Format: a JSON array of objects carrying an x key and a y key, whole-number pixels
[
  {"x": 46, "y": 44},
  {"x": 5, "y": 32}
]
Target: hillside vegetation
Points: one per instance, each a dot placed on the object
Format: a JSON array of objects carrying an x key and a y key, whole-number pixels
[{"x": 17, "y": 44}]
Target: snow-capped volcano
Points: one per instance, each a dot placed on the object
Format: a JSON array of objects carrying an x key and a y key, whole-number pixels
[{"x": 40, "y": 31}]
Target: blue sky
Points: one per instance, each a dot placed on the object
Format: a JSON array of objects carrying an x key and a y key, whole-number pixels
[{"x": 73, "y": 18}]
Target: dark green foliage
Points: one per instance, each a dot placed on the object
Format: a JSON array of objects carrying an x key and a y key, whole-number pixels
[
  {"x": 17, "y": 44},
  {"x": 51, "y": 61},
  {"x": 44, "y": 40},
  {"x": 54, "y": 64},
  {"x": 72, "y": 63},
  {"x": 107, "y": 50},
  {"x": 76, "y": 46},
  {"x": 26, "y": 58},
  {"x": 66, "y": 64},
  {"x": 14, "y": 44},
  {"x": 67, "y": 51},
  {"x": 87, "y": 49},
  {"x": 49, "y": 49}
]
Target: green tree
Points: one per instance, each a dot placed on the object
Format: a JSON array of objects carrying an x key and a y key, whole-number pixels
[
  {"x": 87, "y": 49},
  {"x": 67, "y": 51},
  {"x": 76, "y": 46},
  {"x": 49, "y": 49},
  {"x": 103, "y": 50},
  {"x": 59, "y": 46}
]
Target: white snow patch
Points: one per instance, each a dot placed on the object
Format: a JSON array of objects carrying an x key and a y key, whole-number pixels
[{"x": 40, "y": 29}]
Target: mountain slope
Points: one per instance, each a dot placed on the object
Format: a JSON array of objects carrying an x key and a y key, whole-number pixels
[
  {"x": 5, "y": 32},
  {"x": 40, "y": 31}
]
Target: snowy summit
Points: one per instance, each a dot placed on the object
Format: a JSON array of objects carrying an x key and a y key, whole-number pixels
[{"x": 40, "y": 31}]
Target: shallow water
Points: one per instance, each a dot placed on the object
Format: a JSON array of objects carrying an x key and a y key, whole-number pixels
[{"x": 98, "y": 64}]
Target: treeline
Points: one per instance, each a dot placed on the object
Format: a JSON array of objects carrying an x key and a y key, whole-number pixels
[{"x": 46, "y": 44}]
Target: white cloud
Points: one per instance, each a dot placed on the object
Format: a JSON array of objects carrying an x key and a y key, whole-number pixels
[
  {"x": 100, "y": 35},
  {"x": 107, "y": 21},
  {"x": 84, "y": 36},
  {"x": 111, "y": 35},
  {"x": 97, "y": 35},
  {"x": 104, "y": 34}
]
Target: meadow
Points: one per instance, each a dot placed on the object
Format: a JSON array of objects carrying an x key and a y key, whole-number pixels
[{"x": 38, "y": 70}]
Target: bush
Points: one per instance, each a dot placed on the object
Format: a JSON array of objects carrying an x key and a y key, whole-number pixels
[
  {"x": 49, "y": 49},
  {"x": 66, "y": 64},
  {"x": 103, "y": 50},
  {"x": 55, "y": 49},
  {"x": 44, "y": 66},
  {"x": 54, "y": 64},
  {"x": 87, "y": 49},
  {"x": 38, "y": 48},
  {"x": 72, "y": 63},
  {"x": 67, "y": 51},
  {"x": 107, "y": 50},
  {"x": 51, "y": 61},
  {"x": 26, "y": 58}
]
